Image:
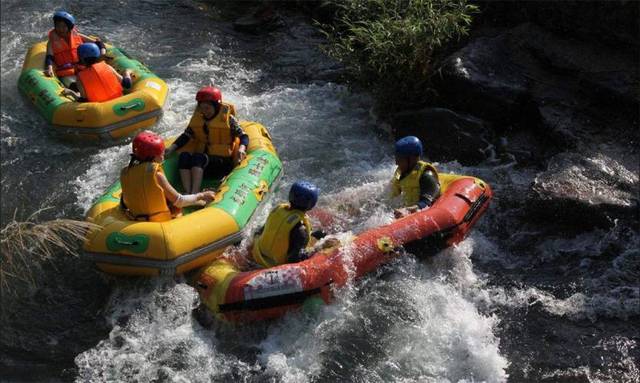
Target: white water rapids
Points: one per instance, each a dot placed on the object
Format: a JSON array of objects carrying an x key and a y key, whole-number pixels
[{"x": 435, "y": 320}]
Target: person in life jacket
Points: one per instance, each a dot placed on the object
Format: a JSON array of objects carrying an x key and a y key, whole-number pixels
[
  {"x": 64, "y": 40},
  {"x": 214, "y": 141},
  {"x": 97, "y": 81},
  {"x": 287, "y": 235},
  {"x": 147, "y": 195},
  {"x": 414, "y": 179}
]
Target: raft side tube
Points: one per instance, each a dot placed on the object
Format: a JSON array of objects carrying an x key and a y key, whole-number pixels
[{"x": 269, "y": 293}]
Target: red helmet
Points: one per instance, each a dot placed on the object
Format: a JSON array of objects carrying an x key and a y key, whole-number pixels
[
  {"x": 209, "y": 93},
  {"x": 147, "y": 145}
]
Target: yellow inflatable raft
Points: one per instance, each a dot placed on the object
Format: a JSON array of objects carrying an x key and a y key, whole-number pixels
[
  {"x": 127, "y": 247},
  {"x": 140, "y": 107}
]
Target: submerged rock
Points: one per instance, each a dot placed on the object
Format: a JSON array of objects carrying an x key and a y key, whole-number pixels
[
  {"x": 446, "y": 135},
  {"x": 589, "y": 190}
]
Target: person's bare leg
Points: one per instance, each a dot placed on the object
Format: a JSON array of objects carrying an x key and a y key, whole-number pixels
[
  {"x": 185, "y": 177},
  {"x": 196, "y": 179}
]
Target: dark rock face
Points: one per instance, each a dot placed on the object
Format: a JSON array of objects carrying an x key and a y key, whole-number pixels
[
  {"x": 529, "y": 78},
  {"x": 586, "y": 189},
  {"x": 482, "y": 79},
  {"x": 446, "y": 135},
  {"x": 613, "y": 22},
  {"x": 263, "y": 18}
]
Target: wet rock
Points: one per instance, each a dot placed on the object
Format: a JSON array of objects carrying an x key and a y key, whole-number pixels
[
  {"x": 608, "y": 75},
  {"x": 446, "y": 135},
  {"x": 482, "y": 79},
  {"x": 586, "y": 190},
  {"x": 613, "y": 22},
  {"x": 262, "y": 19},
  {"x": 325, "y": 11},
  {"x": 528, "y": 77},
  {"x": 560, "y": 124}
]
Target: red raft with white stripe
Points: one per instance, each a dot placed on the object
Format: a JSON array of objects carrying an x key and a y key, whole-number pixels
[{"x": 233, "y": 295}]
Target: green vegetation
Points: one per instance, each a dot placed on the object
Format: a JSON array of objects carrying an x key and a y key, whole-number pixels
[
  {"x": 388, "y": 46},
  {"x": 24, "y": 244}
]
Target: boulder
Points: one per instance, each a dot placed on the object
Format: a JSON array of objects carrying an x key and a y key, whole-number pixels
[
  {"x": 527, "y": 77},
  {"x": 607, "y": 75},
  {"x": 446, "y": 135},
  {"x": 611, "y": 22},
  {"x": 482, "y": 79},
  {"x": 586, "y": 190},
  {"x": 262, "y": 19}
]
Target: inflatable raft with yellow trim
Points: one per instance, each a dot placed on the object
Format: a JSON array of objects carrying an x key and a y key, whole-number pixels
[
  {"x": 233, "y": 295},
  {"x": 126, "y": 247},
  {"x": 139, "y": 107}
]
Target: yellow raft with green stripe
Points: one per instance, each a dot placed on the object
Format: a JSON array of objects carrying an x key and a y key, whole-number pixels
[
  {"x": 126, "y": 247},
  {"x": 139, "y": 107}
]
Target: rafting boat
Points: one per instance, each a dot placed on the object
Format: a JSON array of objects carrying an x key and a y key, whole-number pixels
[
  {"x": 126, "y": 247},
  {"x": 139, "y": 107},
  {"x": 233, "y": 295}
]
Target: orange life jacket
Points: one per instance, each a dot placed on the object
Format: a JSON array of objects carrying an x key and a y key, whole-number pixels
[
  {"x": 65, "y": 53},
  {"x": 100, "y": 83},
  {"x": 142, "y": 194}
]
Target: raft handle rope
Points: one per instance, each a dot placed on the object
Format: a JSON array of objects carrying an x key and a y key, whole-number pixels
[
  {"x": 131, "y": 106},
  {"x": 475, "y": 208}
]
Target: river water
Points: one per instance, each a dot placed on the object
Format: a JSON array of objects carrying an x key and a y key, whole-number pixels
[{"x": 511, "y": 302}]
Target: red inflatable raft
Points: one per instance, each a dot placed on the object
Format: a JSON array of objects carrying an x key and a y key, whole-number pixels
[{"x": 233, "y": 295}]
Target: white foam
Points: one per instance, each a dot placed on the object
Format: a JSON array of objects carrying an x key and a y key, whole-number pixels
[
  {"x": 154, "y": 337},
  {"x": 444, "y": 339},
  {"x": 104, "y": 170}
]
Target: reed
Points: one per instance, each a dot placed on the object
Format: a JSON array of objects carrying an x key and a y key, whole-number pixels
[
  {"x": 24, "y": 244},
  {"x": 388, "y": 46}
]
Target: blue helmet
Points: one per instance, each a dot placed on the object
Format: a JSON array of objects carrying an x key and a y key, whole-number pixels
[
  {"x": 66, "y": 17},
  {"x": 409, "y": 146},
  {"x": 88, "y": 50},
  {"x": 303, "y": 195}
]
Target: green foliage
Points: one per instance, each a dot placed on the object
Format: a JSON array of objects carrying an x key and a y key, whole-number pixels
[{"x": 388, "y": 45}]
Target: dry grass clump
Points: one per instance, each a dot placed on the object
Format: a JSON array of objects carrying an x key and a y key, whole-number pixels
[{"x": 24, "y": 244}]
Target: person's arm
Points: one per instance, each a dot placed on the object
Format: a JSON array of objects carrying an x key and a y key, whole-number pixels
[
  {"x": 97, "y": 41},
  {"x": 180, "y": 141},
  {"x": 237, "y": 131},
  {"x": 48, "y": 61},
  {"x": 115, "y": 72},
  {"x": 125, "y": 79},
  {"x": 298, "y": 240},
  {"x": 429, "y": 189},
  {"x": 180, "y": 200},
  {"x": 80, "y": 95},
  {"x": 395, "y": 185}
]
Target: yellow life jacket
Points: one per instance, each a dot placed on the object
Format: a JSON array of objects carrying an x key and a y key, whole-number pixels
[
  {"x": 216, "y": 139},
  {"x": 270, "y": 248},
  {"x": 409, "y": 185},
  {"x": 142, "y": 194}
]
